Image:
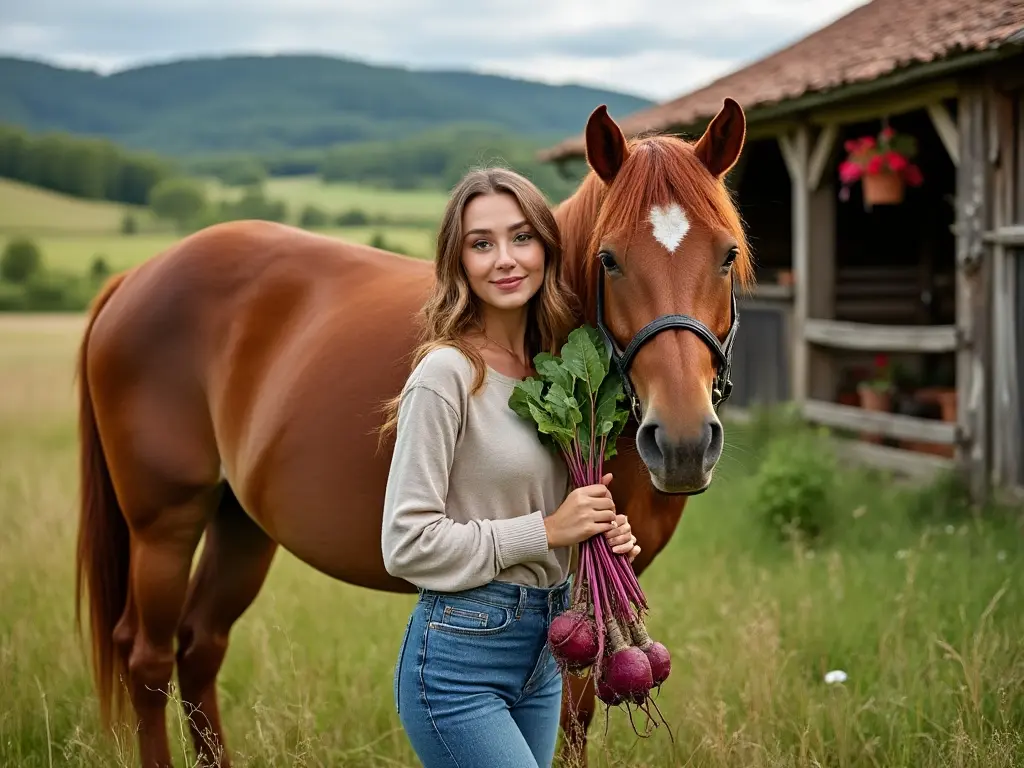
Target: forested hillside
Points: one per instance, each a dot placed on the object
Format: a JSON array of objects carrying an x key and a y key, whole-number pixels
[{"x": 264, "y": 104}]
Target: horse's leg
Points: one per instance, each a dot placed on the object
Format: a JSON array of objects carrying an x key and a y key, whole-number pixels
[
  {"x": 233, "y": 566},
  {"x": 161, "y": 557},
  {"x": 577, "y": 711}
]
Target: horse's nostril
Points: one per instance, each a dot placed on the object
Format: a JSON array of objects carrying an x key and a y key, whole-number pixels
[{"x": 647, "y": 445}]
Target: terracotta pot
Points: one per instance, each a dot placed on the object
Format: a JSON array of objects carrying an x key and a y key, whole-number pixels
[
  {"x": 872, "y": 399},
  {"x": 944, "y": 397},
  {"x": 882, "y": 188}
]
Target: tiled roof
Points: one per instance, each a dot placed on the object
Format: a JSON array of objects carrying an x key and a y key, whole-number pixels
[{"x": 871, "y": 41}]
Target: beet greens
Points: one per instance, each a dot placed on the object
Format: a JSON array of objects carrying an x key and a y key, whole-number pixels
[{"x": 575, "y": 404}]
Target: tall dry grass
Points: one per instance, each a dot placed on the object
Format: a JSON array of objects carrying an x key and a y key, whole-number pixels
[{"x": 919, "y": 602}]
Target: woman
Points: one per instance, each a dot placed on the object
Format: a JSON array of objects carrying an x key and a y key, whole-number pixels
[{"x": 477, "y": 511}]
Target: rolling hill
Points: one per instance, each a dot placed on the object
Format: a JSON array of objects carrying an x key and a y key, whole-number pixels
[{"x": 259, "y": 104}]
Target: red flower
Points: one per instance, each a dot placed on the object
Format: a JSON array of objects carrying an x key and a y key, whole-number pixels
[
  {"x": 881, "y": 360},
  {"x": 875, "y": 164},
  {"x": 849, "y": 172},
  {"x": 912, "y": 175},
  {"x": 868, "y": 142},
  {"x": 887, "y": 133},
  {"x": 896, "y": 161}
]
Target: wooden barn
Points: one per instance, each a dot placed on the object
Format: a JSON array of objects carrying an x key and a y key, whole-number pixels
[{"x": 890, "y": 296}]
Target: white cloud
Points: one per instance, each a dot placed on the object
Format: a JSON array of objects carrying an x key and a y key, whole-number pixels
[{"x": 648, "y": 47}]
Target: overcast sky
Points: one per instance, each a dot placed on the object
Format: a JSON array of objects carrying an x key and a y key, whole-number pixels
[{"x": 655, "y": 48}]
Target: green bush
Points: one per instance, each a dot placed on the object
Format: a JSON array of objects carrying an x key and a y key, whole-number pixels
[
  {"x": 795, "y": 487},
  {"x": 12, "y": 298},
  {"x": 352, "y": 218},
  {"x": 20, "y": 261},
  {"x": 313, "y": 217}
]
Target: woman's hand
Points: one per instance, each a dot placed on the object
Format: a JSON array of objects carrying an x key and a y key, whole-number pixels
[
  {"x": 586, "y": 512},
  {"x": 621, "y": 539}
]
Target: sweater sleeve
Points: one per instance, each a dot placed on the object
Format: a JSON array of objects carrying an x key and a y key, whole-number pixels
[{"x": 420, "y": 543}]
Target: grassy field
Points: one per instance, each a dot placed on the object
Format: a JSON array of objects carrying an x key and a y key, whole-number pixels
[
  {"x": 32, "y": 210},
  {"x": 71, "y": 233},
  {"x": 75, "y": 253},
  {"x": 921, "y": 604},
  {"x": 300, "y": 191}
]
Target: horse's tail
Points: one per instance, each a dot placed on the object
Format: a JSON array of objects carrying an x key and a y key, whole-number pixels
[{"x": 102, "y": 557}]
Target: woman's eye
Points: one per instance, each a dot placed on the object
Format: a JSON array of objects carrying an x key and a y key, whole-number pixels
[
  {"x": 523, "y": 237},
  {"x": 480, "y": 244}
]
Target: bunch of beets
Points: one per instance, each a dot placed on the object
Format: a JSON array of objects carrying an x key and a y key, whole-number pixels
[{"x": 575, "y": 404}]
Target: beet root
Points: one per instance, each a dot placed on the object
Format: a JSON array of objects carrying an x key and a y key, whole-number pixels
[
  {"x": 660, "y": 660},
  {"x": 606, "y": 694},
  {"x": 573, "y": 639},
  {"x": 628, "y": 674}
]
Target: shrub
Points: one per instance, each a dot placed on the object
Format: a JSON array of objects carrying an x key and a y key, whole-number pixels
[
  {"x": 20, "y": 261},
  {"x": 794, "y": 488},
  {"x": 352, "y": 218},
  {"x": 99, "y": 270},
  {"x": 313, "y": 217}
]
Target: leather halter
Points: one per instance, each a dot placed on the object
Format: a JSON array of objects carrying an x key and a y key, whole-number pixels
[{"x": 622, "y": 359}]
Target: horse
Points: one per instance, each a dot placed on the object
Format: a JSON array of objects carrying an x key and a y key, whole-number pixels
[{"x": 230, "y": 388}]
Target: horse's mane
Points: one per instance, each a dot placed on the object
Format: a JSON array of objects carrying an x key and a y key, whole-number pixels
[{"x": 658, "y": 171}]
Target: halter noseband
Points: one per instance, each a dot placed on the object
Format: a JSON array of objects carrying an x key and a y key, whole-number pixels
[{"x": 624, "y": 358}]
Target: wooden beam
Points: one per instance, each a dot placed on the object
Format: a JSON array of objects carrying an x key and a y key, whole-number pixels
[
  {"x": 893, "y": 102},
  {"x": 918, "y": 466},
  {"x": 772, "y": 291},
  {"x": 947, "y": 130},
  {"x": 870, "y": 337},
  {"x": 1011, "y": 234},
  {"x": 822, "y": 152},
  {"x": 893, "y": 425},
  {"x": 798, "y": 150},
  {"x": 789, "y": 156}
]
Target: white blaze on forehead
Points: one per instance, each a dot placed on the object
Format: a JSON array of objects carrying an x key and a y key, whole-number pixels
[{"x": 670, "y": 225}]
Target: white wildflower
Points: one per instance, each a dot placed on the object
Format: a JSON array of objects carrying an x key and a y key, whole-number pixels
[{"x": 835, "y": 676}]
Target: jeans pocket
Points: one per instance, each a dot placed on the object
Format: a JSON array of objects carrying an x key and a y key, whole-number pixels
[
  {"x": 396, "y": 682},
  {"x": 465, "y": 616}
]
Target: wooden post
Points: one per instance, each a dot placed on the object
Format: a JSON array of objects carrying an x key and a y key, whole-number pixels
[
  {"x": 1006, "y": 435},
  {"x": 796, "y": 153},
  {"x": 813, "y": 196},
  {"x": 973, "y": 272}
]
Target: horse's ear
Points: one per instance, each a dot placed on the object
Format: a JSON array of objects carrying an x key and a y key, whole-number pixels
[
  {"x": 720, "y": 146},
  {"x": 606, "y": 146}
]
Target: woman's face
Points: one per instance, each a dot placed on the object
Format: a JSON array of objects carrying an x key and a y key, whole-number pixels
[{"x": 502, "y": 254}]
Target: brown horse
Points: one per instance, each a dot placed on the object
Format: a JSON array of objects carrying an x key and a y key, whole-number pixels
[{"x": 231, "y": 387}]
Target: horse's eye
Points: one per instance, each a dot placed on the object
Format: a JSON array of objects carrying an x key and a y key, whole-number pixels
[
  {"x": 730, "y": 257},
  {"x": 608, "y": 261}
]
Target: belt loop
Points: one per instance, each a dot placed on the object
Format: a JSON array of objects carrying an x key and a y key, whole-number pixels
[{"x": 522, "y": 601}]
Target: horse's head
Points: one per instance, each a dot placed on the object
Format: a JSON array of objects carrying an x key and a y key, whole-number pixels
[{"x": 666, "y": 252}]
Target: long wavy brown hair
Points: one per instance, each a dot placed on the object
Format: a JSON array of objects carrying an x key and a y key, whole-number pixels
[{"x": 452, "y": 311}]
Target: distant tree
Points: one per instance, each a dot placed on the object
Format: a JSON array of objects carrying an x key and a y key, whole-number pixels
[
  {"x": 179, "y": 199},
  {"x": 99, "y": 269},
  {"x": 21, "y": 261},
  {"x": 129, "y": 225},
  {"x": 313, "y": 217},
  {"x": 352, "y": 218},
  {"x": 243, "y": 173}
]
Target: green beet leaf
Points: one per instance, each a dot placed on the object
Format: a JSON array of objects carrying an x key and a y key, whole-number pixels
[
  {"x": 550, "y": 369},
  {"x": 581, "y": 358}
]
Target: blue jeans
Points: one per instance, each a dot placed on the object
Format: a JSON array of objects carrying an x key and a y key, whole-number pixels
[{"x": 475, "y": 683}]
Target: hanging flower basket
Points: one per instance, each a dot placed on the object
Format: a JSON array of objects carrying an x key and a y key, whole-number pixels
[
  {"x": 883, "y": 189},
  {"x": 882, "y": 164}
]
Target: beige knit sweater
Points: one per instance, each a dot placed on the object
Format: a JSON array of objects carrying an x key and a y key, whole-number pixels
[{"x": 470, "y": 485}]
